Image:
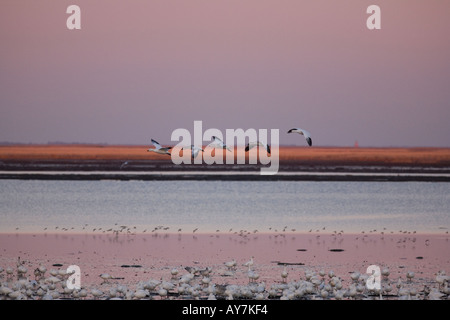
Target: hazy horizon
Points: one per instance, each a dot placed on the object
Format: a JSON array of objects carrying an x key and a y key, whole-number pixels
[
  {"x": 140, "y": 69},
  {"x": 145, "y": 145}
]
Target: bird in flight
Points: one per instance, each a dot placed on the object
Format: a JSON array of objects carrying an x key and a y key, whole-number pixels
[
  {"x": 217, "y": 143},
  {"x": 159, "y": 149},
  {"x": 305, "y": 133},
  {"x": 251, "y": 145},
  {"x": 124, "y": 164},
  {"x": 194, "y": 150}
]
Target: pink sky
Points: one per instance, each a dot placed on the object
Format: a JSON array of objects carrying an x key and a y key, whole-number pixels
[{"x": 139, "y": 69}]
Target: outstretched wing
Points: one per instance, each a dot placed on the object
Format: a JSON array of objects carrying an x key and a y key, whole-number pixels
[
  {"x": 249, "y": 146},
  {"x": 297, "y": 130},
  {"x": 307, "y": 137},
  {"x": 217, "y": 140},
  {"x": 305, "y": 133},
  {"x": 156, "y": 144},
  {"x": 218, "y": 143},
  {"x": 309, "y": 140}
]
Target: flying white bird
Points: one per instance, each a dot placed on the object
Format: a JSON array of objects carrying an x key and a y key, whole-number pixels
[
  {"x": 194, "y": 150},
  {"x": 251, "y": 145},
  {"x": 159, "y": 149},
  {"x": 217, "y": 143},
  {"x": 304, "y": 133},
  {"x": 124, "y": 164}
]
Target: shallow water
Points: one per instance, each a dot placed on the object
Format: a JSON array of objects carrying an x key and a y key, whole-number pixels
[{"x": 32, "y": 205}]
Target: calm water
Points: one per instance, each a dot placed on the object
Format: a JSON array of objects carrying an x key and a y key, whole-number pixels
[{"x": 32, "y": 205}]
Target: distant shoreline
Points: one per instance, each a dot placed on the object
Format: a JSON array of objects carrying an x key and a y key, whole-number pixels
[
  {"x": 73, "y": 162},
  {"x": 310, "y": 155}
]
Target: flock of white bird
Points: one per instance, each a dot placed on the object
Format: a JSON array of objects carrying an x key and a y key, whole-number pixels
[
  {"x": 195, "y": 283},
  {"x": 218, "y": 143}
]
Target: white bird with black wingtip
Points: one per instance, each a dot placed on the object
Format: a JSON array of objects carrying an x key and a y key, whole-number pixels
[
  {"x": 253, "y": 144},
  {"x": 304, "y": 133},
  {"x": 159, "y": 149},
  {"x": 217, "y": 143},
  {"x": 194, "y": 150}
]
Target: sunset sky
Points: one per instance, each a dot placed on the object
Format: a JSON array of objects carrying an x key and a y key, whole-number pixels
[{"x": 139, "y": 69}]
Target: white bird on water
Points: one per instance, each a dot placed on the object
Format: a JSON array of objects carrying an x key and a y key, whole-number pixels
[
  {"x": 194, "y": 150},
  {"x": 174, "y": 272},
  {"x": 230, "y": 264},
  {"x": 159, "y": 149},
  {"x": 252, "y": 275},
  {"x": 302, "y": 132},
  {"x": 105, "y": 277},
  {"x": 253, "y": 144},
  {"x": 284, "y": 274},
  {"x": 249, "y": 263},
  {"x": 217, "y": 143}
]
